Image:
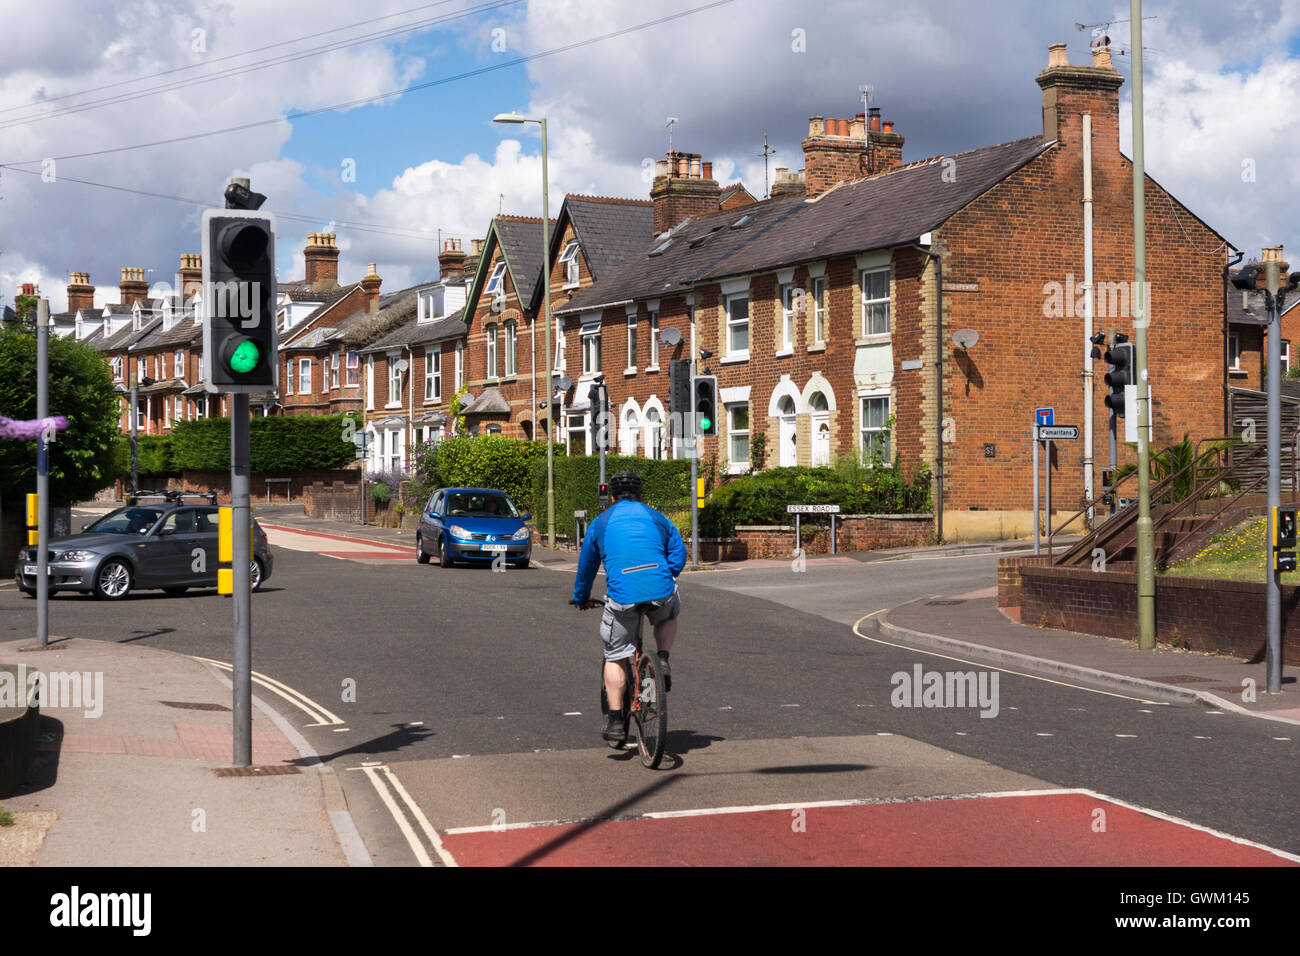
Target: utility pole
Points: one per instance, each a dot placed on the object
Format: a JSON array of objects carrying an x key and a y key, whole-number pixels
[
  {"x": 43, "y": 473},
  {"x": 1146, "y": 571},
  {"x": 1273, "y": 616},
  {"x": 135, "y": 446}
]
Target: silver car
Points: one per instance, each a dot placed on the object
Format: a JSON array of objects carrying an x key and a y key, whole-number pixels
[{"x": 169, "y": 545}]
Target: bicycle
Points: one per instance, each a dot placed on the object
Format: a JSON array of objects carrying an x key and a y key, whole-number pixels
[{"x": 648, "y": 707}]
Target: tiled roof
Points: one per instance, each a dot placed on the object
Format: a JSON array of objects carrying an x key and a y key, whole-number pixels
[
  {"x": 873, "y": 213},
  {"x": 395, "y": 310},
  {"x": 1254, "y": 314},
  {"x": 491, "y": 402},
  {"x": 423, "y": 333},
  {"x": 611, "y": 231},
  {"x": 521, "y": 241}
]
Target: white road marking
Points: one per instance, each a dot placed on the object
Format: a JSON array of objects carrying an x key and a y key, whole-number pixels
[
  {"x": 420, "y": 818},
  {"x": 573, "y": 713},
  {"x": 1281, "y": 738},
  {"x": 1126, "y": 735},
  {"x": 810, "y": 805},
  {"x": 372, "y": 772},
  {"x": 724, "y": 708},
  {"x": 341, "y": 730},
  {"x": 320, "y": 716},
  {"x": 1217, "y": 713},
  {"x": 1199, "y": 737},
  {"x": 962, "y": 733},
  {"x": 789, "y": 705},
  {"x": 1044, "y": 735},
  {"x": 1146, "y": 711}
]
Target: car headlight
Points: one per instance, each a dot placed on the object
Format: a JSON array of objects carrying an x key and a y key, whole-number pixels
[
  {"x": 520, "y": 535},
  {"x": 457, "y": 531},
  {"x": 74, "y": 556}
]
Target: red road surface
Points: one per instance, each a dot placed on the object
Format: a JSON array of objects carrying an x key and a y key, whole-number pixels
[{"x": 1033, "y": 830}]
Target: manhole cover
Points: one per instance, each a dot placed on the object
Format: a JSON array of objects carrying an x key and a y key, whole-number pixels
[
  {"x": 1183, "y": 679},
  {"x": 275, "y": 770},
  {"x": 942, "y": 603},
  {"x": 187, "y": 705}
]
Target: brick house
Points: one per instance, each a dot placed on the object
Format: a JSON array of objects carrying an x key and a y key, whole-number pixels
[{"x": 821, "y": 306}]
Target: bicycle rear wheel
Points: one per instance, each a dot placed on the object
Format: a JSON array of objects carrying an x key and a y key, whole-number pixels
[{"x": 651, "y": 712}]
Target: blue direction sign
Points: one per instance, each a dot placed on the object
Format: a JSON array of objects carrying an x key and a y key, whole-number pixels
[{"x": 1044, "y": 416}]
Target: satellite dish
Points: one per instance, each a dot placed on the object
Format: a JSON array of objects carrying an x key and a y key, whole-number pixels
[
  {"x": 965, "y": 338},
  {"x": 670, "y": 336},
  {"x": 1100, "y": 42},
  {"x": 400, "y": 365},
  {"x": 563, "y": 384}
]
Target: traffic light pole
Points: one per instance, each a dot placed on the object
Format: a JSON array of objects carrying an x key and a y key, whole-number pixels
[
  {"x": 242, "y": 675},
  {"x": 43, "y": 474},
  {"x": 1146, "y": 572},
  {"x": 1273, "y": 591}
]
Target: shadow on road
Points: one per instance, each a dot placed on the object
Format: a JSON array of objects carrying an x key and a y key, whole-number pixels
[{"x": 401, "y": 736}]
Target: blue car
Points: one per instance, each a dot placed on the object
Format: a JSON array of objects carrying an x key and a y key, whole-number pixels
[{"x": 472, "y": 524}]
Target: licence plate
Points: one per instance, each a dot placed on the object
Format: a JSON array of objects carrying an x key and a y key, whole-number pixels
[
  {"x": 35, "y": 569},
  {"x": 496, "y": 547}
]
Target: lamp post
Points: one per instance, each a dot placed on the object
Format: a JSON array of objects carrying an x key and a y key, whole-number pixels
[{"x": 546, "y": 316}]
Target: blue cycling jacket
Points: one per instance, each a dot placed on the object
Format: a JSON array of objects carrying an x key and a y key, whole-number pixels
[{"x": 642, "y": 550}]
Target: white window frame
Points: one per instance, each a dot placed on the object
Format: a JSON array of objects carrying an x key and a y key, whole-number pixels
[
  {"x": 570, "y": 259},
  {"x": 511, "y": 343},
  {"x": 140, "y": 414},
  {"x": 139, "y": 368},
  {"x": 654, "y": 433},
  {"x": 494, "y": 280},
  {"x": 867, "y": 303},
  {"x": 786, "y": 344},
  {"x": 370, "y": 381},
  {"x": 864, "y": 429},
  {"x": 591, "y": 334},
  {"x": 819, "y": 310},
  {"x": 733, "y": 433},
  {"x": 1286, "y": 356},
  {"x": 178, "y": 366},
  {"x": 180, "y": 408},
  {"x": 631, "y": 343},
  {"x": 304, "y": 369},
  {"x": 334, "y": 371},
  {"x": 460, "y": 365},
  {"x": 394, "y": 382},
  {"x": 1234, "y": 352},
  {"x": 353, "y": 368},
  {"x": 734, "y": 324},
  {"x": 490, "y": 340},
  {"x": 117, "y": 368},
  {"x": 654, "y": 341},
  {"x": 433, "y": 375}
]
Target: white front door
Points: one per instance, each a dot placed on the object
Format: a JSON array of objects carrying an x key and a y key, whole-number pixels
[
  {"x": 789, "y": 440},
  {"x": 821, "y": 445}
]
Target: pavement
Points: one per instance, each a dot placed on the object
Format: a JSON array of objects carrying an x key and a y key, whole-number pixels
[{"x": 134, "y": 766}]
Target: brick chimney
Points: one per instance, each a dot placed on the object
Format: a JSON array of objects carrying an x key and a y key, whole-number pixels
[
  {"x": 451, "y": 261},
  {"x": 133, "y": 286},
  {"x": 370, "y": 285},
  {"x": 191, "y": 274},
  {"x": 81, "y": 294},
  {"x": 884, "y": 146},
  {"x": 322, "y": 257},
  {"x": 1070, "y": 91},
  {"x": 787, "y": 183},
  {"x": 683, "y": 188}
]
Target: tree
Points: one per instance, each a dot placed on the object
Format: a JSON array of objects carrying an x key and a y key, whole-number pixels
[{"x": 81, "y": 389}]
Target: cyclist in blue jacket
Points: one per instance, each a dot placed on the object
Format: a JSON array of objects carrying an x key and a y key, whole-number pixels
[{"x": 643, "y": 553}]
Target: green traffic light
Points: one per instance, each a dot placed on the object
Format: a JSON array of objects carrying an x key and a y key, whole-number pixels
[
  {"x": 245, "y": 357},
  {"x": 706, "y": 423}
]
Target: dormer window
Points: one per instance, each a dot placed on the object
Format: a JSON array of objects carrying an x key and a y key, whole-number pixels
[
  {"x": 431, "y": 305},
  {"x": 570, "y": 260},
  {"x": 743, "y": 221},
  {"x": 108, "y": 326},
  {"x": 494, "y": 281}
]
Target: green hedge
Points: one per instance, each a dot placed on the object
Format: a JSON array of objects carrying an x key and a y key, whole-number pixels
[
  {"x": 761, "y": 498},
  {"x": 155, "y": 456},
  {"x": 484, "y": 461},
  {"x": 286, "y": 444},
  {"x": 577, "y": 487}
]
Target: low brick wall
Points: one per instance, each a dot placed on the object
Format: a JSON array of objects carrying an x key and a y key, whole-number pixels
[
  {"x": 852, "y": 533},
  {"x": 1009, "y": 576},
  {"x": 219, "y": 482},
  {"x": 337, "y": 501},
  {"x": 1200, "y": 614}
]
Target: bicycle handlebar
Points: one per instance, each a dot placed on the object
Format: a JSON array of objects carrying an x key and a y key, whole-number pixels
[{"x": 590, "y": 602}]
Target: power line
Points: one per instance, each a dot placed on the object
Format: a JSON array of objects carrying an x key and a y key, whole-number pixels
[
  {"x": 254, "y": 67},
  {"x": 228, "y": 56},
  {"x": 365, "y": 100}
]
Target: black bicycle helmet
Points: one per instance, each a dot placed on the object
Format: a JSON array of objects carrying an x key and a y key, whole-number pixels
[{"x": 626, "y": 484}]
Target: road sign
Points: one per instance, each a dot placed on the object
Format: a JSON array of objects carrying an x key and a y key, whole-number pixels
[
  {"x": 812, "y": 509},
  {"x": 1058, "y": 432},
  {"x": 1044, "y": 416}
]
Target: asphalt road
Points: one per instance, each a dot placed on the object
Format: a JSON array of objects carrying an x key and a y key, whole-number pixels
[{"x": 479, "y": 691}]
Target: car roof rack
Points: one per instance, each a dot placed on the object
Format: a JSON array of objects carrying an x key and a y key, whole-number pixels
[{"x": 173, "y": 497}]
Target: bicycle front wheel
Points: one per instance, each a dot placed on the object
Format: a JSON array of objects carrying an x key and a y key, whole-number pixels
[{"x": 651, "y": 710}]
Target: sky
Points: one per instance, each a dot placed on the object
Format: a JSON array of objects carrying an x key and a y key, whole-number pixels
[{"x": 389, "y": 177}]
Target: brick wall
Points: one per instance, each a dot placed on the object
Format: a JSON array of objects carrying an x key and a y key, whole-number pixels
[
  {"x": 1009, "y": 583},
  {"x": 1190, "y": 612},
  {"x": 337, "y": 501},
  {"x": 219, "y": 482}
]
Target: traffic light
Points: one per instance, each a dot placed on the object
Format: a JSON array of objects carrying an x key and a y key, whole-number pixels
[
  {"x": 679, "y": 396},
  {"x": 239, "y": 333},
  {"x": 598, "y": 401},
  {"x": 704, "y": 388},
  {"x": 1284, "y": 538},
  {"x": 1121, "y": 358}
]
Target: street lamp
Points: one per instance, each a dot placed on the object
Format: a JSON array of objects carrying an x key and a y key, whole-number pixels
[{"x": 516, "y": 119}]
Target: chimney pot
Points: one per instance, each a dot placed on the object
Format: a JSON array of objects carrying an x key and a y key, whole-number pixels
[
  {"x": 1101, "y": 54},
  {"x": 1056, "y": 56},
  {"x": 708, "y": 170},
  {"x": 889, "y": 126},
  {"x": 695, "y": 166},
  {"x": 874, "y": 125}
]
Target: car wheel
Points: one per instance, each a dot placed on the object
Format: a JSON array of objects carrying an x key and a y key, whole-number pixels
[
  {"x": 444, "y": 556},
  {"x": 30, "y": 592},
  {"x": 420, "y": 556},
  {"x": 176, "y": 590},
  {"x": 255, "y": 575},
  {"x": 113, "y": 580}
]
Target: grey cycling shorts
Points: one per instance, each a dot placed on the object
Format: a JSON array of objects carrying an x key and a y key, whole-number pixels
[{"x": 620, "y": 623}]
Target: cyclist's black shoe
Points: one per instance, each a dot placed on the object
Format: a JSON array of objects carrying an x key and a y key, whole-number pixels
[
  {"x": 615, "y": 729},
  {"x": 668, "y": 674}
]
